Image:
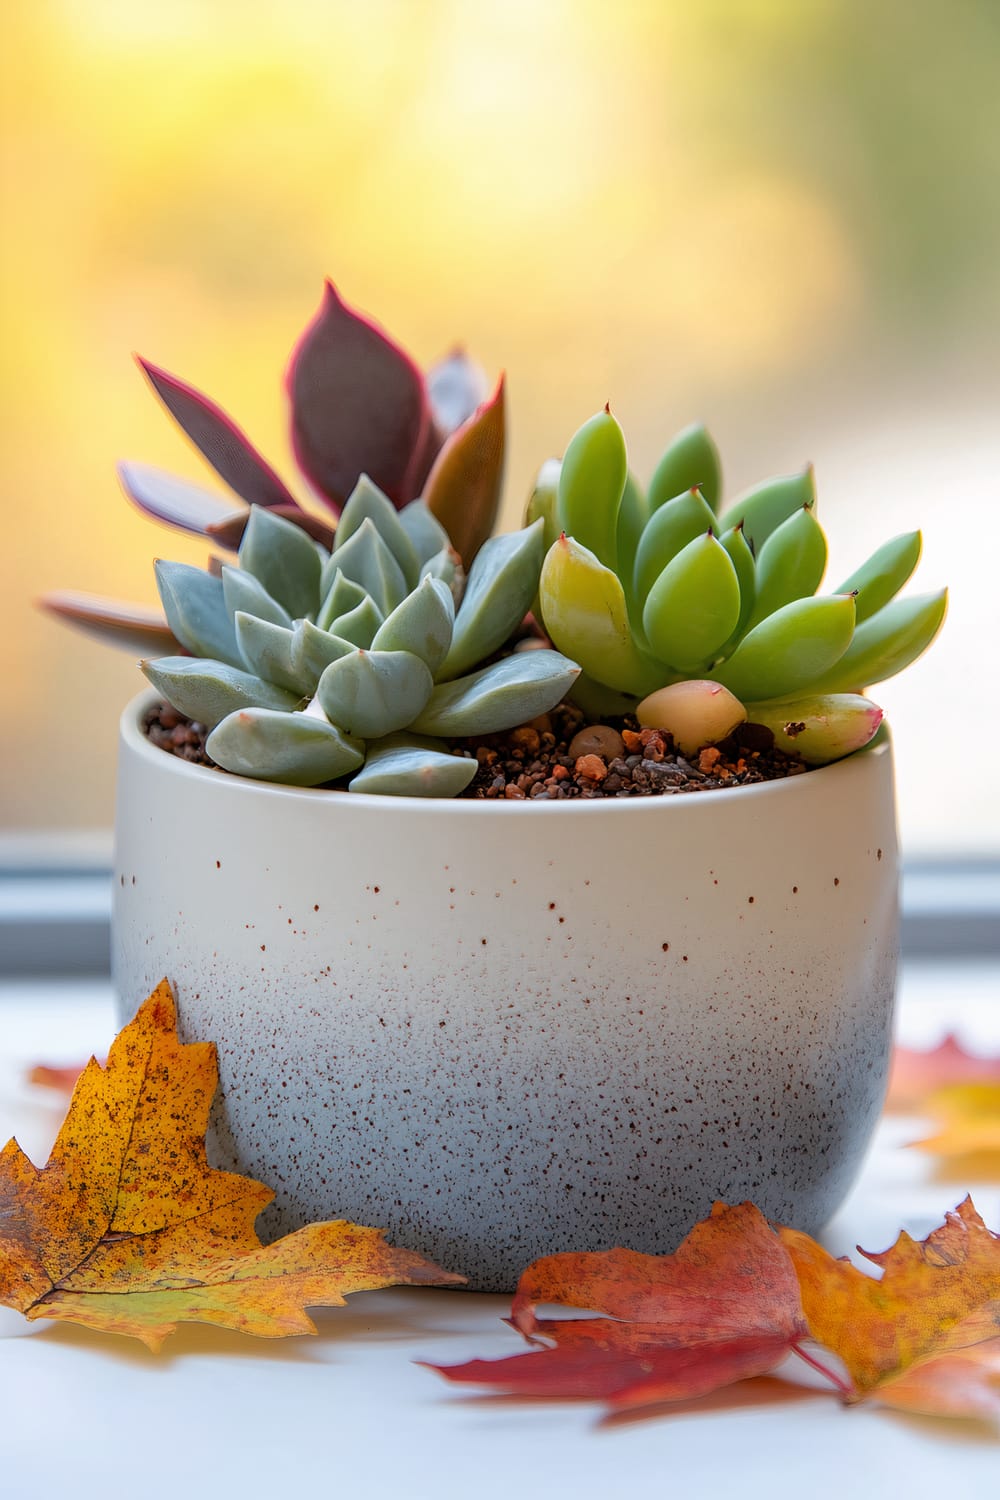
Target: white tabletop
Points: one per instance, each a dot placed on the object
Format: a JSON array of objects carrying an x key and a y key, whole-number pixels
[{"x": 350, "y": 1414}]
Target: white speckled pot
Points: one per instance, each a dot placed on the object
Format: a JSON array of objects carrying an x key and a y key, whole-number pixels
[{"x": 500, "y": 1030}]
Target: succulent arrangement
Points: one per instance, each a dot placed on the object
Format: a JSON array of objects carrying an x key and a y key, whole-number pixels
[
  {"x": 697, "y": 622},
  {"x": 355, "y": 644},
  {"x": 309, "y": 665}
]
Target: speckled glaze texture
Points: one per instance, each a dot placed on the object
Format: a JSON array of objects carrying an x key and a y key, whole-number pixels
[{"x": 503, "y": 1030}]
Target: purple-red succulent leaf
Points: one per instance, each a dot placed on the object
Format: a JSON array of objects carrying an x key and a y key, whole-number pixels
[
  {"x": 456, "y": 385},
  {"x": 217, "y": 437},
  {"x": 359, "y": 405},
  {"x": 178, "y": 502},
  {"x": 463, "y": 487},
  {"x": 133, "y": 627}
]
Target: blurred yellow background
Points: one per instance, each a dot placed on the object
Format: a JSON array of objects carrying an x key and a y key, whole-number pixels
[{"x": 778, "y": 216}]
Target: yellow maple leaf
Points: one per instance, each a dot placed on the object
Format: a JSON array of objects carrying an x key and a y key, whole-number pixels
[
  {"x": 923, "y": 1336},
  {"x": 128, "y": 1229}
]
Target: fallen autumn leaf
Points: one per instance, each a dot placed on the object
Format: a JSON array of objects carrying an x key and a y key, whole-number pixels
[
  {"x": 127, "y": 1229},
  {"x": 926, "y": 1334},
  {"x": 723, "y": 1307}
]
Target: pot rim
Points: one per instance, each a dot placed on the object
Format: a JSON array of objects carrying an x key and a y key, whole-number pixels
[{"x": 829, "y": 776}]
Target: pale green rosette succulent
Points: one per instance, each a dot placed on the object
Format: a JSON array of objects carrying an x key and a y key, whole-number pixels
[
  {"x": 649, "y": 590},
  {"x": 308, "y": 665}
]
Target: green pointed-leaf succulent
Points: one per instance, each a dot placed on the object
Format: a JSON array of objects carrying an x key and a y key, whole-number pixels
[
  {"x": 310, "y": 665},
  {"x": 645, "y": 592}
]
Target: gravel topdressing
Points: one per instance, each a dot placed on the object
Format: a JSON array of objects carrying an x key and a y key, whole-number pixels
[{"x": 563, "y": 755}]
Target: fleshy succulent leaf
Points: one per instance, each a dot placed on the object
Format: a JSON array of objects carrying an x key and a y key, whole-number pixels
[
  {"x": 423, "y": 624},
  {"x": 821, "y": 727},
  {"x": 672, "y": 526},
  {"x": 195, "y": 606},
  {"x": 374, "y": 693},
  {"x": 413, "y": 766},
  {"x": 498, "y": 593},
  {"x": 359, "y": 625},
  {"x": 209, "y": 690},
  {"x": 742, "y": 559},
  {"x": 591, "y": 484},
  {"x": 633, "y": 517},
  {"x": 456, "y": 385},
  {"x": 313, "y": 650},
  {"x": 509, "y": 692},
  {"x": 584, "y": 610},
  {"x": 359, "y": 405},
  {"x": 446, "y": 566},
  {"x": 179, "y": 503},
  {"x": 342, "y": 594},
  {"x": 424, "y": 530},
  {"x": 886, "y": 643},
  {"x": 284, "y": 560},
  {"x": 763, "y": 508},
  {"x": 217, "y": 437},
  {"x": 242, "y": 591},
  {"x": 543, "y": 499},
  {"x": 599, "y": 701},
  {"x": 310, "y": 524},
  {"x": 294, "y": 748},
  {"x": 463, "y": 487},
  {"x": 880, "y": 578},
  {"x": 790, "y": 564},
  {"x": 693, "y": 607},
  {"x": 267, "y": 651},
  {"x": 115, "y": 622},
  {"x": 365, "y": 559},
  {"x": 690, "y": 462},
  {"x": 367, "y": 502},
  {"x": 791, "y": 650}
]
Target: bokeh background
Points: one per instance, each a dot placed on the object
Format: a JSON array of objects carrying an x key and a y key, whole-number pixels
[{"x": 779, "y": 216}]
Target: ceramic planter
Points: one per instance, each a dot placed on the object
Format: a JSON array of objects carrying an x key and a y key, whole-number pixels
[{"x": 500, "y": 1030}]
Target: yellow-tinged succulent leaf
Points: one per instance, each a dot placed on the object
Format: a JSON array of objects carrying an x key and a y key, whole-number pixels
[{"x": 583, "y": 607}]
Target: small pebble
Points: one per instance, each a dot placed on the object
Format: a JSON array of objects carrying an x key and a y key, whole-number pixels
[
  {"x": 526, "y": 738},
  {"x": 597, "y": 739}
]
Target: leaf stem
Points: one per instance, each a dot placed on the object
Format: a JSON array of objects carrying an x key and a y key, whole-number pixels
[{"x": 842, "y": 1385}]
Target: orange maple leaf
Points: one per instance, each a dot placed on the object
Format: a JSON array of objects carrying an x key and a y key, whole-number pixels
[
  {"x": 925, "y": 1336},
  {"x": 723, "y": 1307},
  {"x": 916, "y": 1074},
  {"x": 128, "y": 1229}
]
